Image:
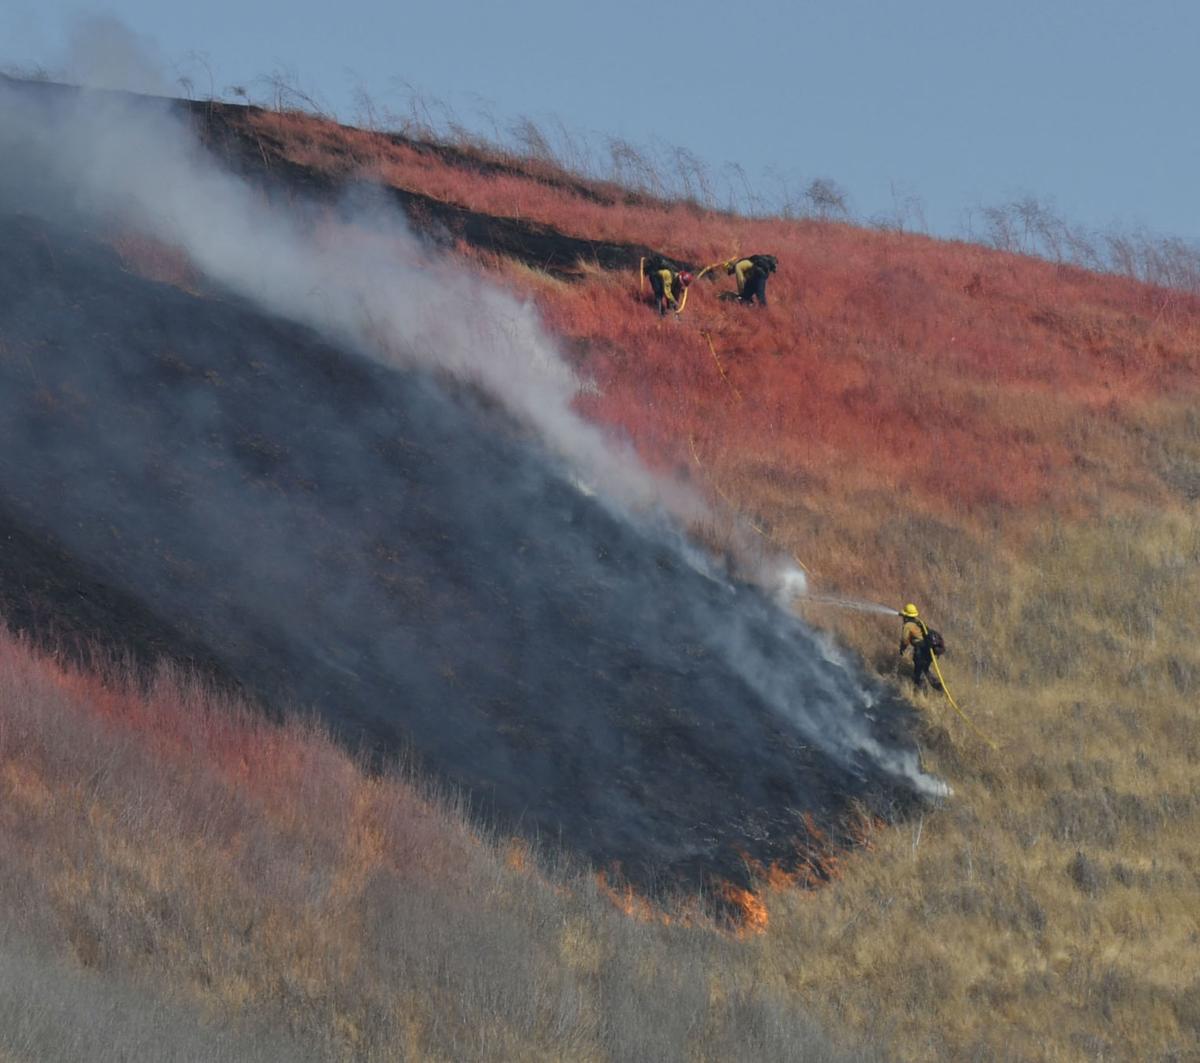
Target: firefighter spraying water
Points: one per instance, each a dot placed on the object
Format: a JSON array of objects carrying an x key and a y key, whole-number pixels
[
  {"x": 927, "y": 646},
  {"x": 926, "y": 643}
]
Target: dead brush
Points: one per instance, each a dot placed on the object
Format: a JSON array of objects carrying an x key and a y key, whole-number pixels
[{"x": 205, "y": 861}]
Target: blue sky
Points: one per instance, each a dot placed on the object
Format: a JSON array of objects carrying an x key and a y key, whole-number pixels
[{"x": 1090, "y": 105}]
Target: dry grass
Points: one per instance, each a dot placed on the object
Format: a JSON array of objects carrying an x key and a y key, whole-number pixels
[
  {"x": 244, "y": 870},
  {"x": 1049, "y": 913},
  {"x": 51, "y": 1008},
  {"x": 1011, "y": 443}
]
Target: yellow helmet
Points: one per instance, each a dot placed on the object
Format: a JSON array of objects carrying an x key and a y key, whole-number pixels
[{"x": 909, "y": 610}]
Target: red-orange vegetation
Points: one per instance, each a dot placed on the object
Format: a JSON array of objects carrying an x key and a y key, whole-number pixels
[
  {"x": 489, "y": 183},
  {"x": 181, "y": 721},
  {"x": 961, "y": 378},
  {"x": 839, "y": 392}
]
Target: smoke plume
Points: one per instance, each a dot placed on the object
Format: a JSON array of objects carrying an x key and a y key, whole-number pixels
[{"x": 314, "y": 506}]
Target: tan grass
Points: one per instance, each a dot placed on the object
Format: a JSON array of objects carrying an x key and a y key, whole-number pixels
[
  {"x": 169, "y": 840},
  {"x": 1050, "y": 911}
]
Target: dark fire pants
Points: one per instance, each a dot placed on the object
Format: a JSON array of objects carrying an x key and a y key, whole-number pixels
[
  {"x": 755, "y": 285},
  {"x": 922, "y": 665}
]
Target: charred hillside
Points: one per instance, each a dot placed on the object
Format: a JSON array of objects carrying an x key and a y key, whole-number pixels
[
  {"x": 241, "y": 137},
  {"x": 392, "y": 551},
  {"x": 233, "y": 134},
  {"x": 306, "y": 465}
]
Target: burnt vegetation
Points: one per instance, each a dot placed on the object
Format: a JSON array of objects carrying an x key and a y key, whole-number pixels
[
  {"x": 1047, "y": 522},
  {"x": 389, "y": 552}
]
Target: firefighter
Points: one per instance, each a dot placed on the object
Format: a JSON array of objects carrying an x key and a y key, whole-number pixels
[
  {"x": 667, "y": 284},
  {"x": 915, "y": 633},
  {"x": 751, "y": 275}
]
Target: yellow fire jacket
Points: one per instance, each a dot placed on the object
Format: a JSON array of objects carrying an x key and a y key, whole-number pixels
[
  {"x": 911, "y": 633},
  {"x": 668, "y": 284},
  {"x": 739, "y": 270}
]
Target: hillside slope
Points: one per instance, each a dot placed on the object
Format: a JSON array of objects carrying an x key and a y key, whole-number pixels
[
  {"x": 388, "y": 548},
  {"x": 1012, "y": 443}
]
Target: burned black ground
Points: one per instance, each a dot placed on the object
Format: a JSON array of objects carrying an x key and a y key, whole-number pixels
[
  {"x": 260, "y": 156},
  {"x": 188, "y": 476}
]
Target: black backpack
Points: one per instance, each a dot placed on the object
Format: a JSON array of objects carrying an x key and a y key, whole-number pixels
[
  {"x": 764, "y": 262},
  {"x": 936, "y": 643},
  {"x": 932, "y": 638}
]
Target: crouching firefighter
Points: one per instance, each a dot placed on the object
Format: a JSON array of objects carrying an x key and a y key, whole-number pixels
[
  {"x": 751, "y": 274},
  {"x": 667, "y": 283},
  {"x": 925, "y": 642}
]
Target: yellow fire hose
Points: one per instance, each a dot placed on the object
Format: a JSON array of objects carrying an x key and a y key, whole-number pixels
[
  {"x": 683, "y": 300},
  {"x": 729, "y": 502},
  {"x": 954, "y": 704},
  {"x": 720, "y": 367}
]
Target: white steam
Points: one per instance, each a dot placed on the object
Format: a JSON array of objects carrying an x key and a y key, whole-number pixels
[
  {"x": 819, "y": 709},
  {"x": 103, "y": 53},
  {"x": 360, "y": 277},
  {"x": 790, "y": 584},
  {"x": 841, "y": 731}
]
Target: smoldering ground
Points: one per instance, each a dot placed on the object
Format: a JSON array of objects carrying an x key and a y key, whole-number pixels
[{"x": 291, "y": 471}]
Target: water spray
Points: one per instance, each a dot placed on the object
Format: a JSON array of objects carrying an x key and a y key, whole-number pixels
[
  {"x": 861, "y": 606},
  {"x": 857, "y": 604},
  {"x": 793, "y": 587}
]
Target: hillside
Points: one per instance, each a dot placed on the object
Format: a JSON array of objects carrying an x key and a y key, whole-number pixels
[{"x": 1009, "y": 442}]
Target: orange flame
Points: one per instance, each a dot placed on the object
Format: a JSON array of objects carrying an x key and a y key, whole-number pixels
[
  {"x": 753, "y": 911},
  {"x": 817, "y": 860},
  {"x": 631, "y": 902}
]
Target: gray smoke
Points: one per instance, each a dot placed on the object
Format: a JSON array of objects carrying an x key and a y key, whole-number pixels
[
  {"x": 360, "y": 278},
  {"x": 103, "y": 53}
]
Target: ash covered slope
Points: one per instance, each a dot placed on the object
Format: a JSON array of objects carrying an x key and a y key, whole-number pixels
[{"x": 392, "y": 549}]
